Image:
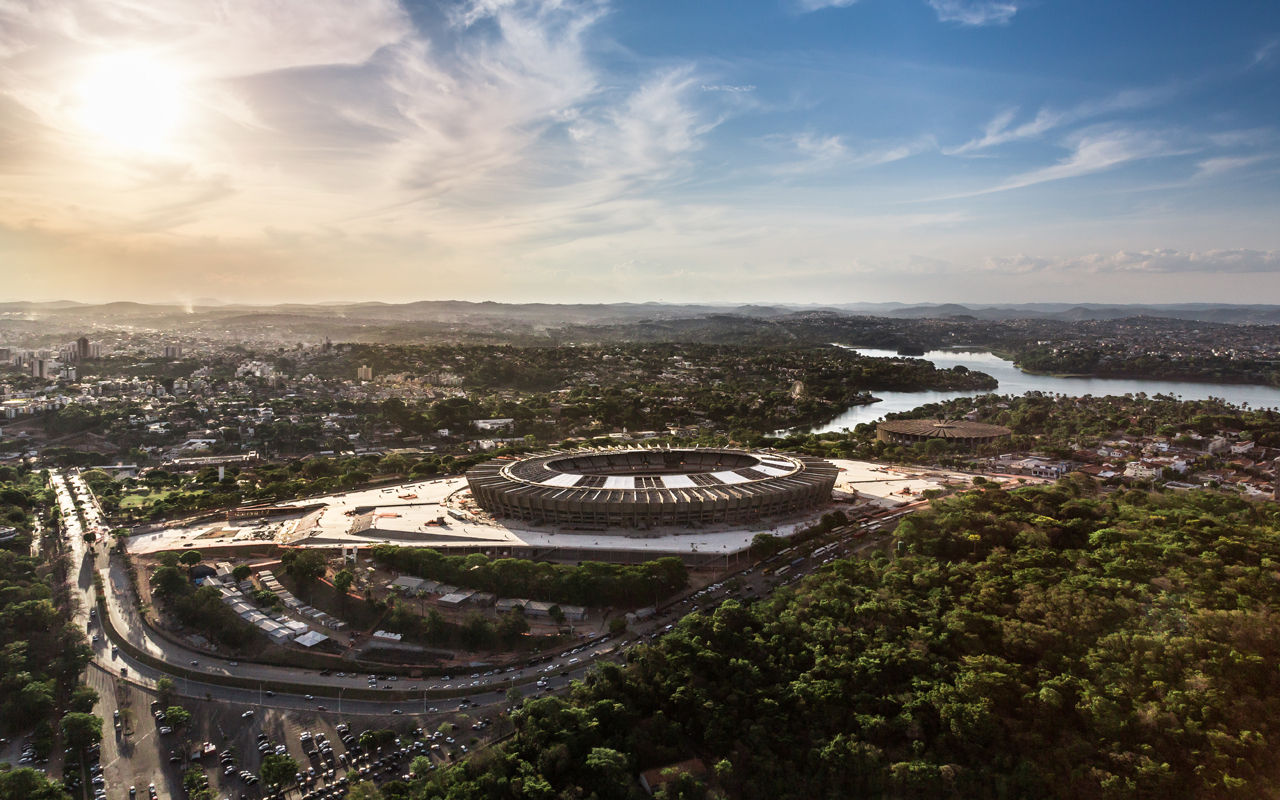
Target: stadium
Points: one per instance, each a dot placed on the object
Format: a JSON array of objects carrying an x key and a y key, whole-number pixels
[
  {"x": 910, "y": 431},
  {"x": 641, "y": 488}
]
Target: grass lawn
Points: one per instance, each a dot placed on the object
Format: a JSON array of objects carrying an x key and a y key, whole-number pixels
[{"x": 144, "y": 500}]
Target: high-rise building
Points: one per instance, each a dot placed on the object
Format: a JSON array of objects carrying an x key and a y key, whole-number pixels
[
  {"x": 82, "y": 348},
  {"x": 364, "y": 373},
  {"x": 173, "y": 351}
]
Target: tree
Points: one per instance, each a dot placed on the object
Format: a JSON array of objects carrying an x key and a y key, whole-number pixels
[
  {"x": 368, "y": 790},
  {"x": 765, "y": 544},
  {"x": 168, "y": 582},
  {"x": 190, "y": 558},
  {"x": 342, "y": 581},
  {"x": 241, "y": 572},
  {"x": 277, "y": 770},
  {"x": 306, "y": 567},
  {"x": 165, "y": 689},
  {"x": 81, "y": 730},
  {"x": 27, "y": 784},
  {"x": 35, "y": 700},
  {"x": 82, "y": 698},
  {"x": 177, "y": 717}
]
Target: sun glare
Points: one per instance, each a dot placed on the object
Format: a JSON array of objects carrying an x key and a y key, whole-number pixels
[{"x": 131, "y": 102}]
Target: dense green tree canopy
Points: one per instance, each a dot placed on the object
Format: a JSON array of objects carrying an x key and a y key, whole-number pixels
[{"x": 1047, "y": 642}]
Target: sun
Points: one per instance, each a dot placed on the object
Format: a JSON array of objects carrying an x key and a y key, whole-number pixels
[{"x": 131, "y": 101}]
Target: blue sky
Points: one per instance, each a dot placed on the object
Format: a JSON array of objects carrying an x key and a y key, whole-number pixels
[{"x": 801, "y": 151}]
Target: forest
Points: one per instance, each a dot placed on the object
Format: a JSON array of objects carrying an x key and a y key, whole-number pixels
[{"x": 1045, "y": 642}]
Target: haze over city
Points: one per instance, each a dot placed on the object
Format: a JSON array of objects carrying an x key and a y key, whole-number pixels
[{"x": 784, "y": 151}]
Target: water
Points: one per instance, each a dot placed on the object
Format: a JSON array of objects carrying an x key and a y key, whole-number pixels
[{"x": 1015, "y": 381}]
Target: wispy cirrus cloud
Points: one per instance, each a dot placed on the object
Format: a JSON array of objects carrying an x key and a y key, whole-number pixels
[
  {"x": 1211, "y": 167},
  {"x": 1266, "y": 54},
  {"x": 1091, "y": 152},
  {"x": 805, "y": 6},
  {"x": 975, "y": 13},
  {"x": 1153, "y": 261},
  {"x": 810, "y": 152},
  {"x": 1176, "y": 261},
  {"x": 968, "y": 13},
  {"x": 1003, "y": 130}
]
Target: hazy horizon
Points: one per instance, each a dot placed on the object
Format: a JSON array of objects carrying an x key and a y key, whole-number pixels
[{"x": 806, "y": 152}]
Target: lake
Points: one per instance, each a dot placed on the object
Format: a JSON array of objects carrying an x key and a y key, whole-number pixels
[{"x": 1015, "y": 381}]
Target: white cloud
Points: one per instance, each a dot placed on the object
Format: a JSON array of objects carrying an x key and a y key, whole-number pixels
[
  {"x": 1211, "y": 167},
  {"x": 1001, "y": 130},
  {"x": 811, "y": 152},
  {"x": 1091, "y": 152},
  {"x": 815, "y": 5},
  {"x": 975, "y": 13},
  {"x": 1176, "y": 261},
  {"x": 1266, "y": 53},
  {"x": 1154, "y": 261}
]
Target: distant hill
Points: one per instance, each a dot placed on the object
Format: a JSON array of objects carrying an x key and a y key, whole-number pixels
[
  {"x": 1075, "y": 312},
  {"x": 427, "y": 316}
]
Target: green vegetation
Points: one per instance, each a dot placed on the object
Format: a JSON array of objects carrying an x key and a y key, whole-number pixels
[
  {"x": 277, "y": 770},
  {"x": 81, "y": 730},
  {"x": 23, "y": 497},
  {"x": 476, "y": 632},
  {"x": 200, "y": 609},
  {"x": 41, "y": 651},
  {"x": 1048, "y": 642},
  {"x": 28, "y": 784},
  {"x": 196, "y": 783},
  {"x": 592, "y": 583}
]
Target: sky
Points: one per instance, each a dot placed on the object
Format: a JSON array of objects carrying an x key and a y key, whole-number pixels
[{"x": 780, "y": 151}]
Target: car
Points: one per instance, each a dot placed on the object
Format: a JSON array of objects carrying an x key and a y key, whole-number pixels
[
  {"x": 174, "y": 757},
  {"x": 133, "y": 791},
  {"x": 270, "y": 693},
  {"x": 247, "y": 714},
  {"x": 195, "y": 663},
  {"x": 321, "y": 708},
  {"x": 308, "y": 697},
  {"x": 165, "y": 730},
  {"x": 396, "y": 711},
  {"x": 233, "y": 663}
]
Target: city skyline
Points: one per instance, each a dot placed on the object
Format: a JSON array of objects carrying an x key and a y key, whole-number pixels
[{"x": 800, "y": 151}]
